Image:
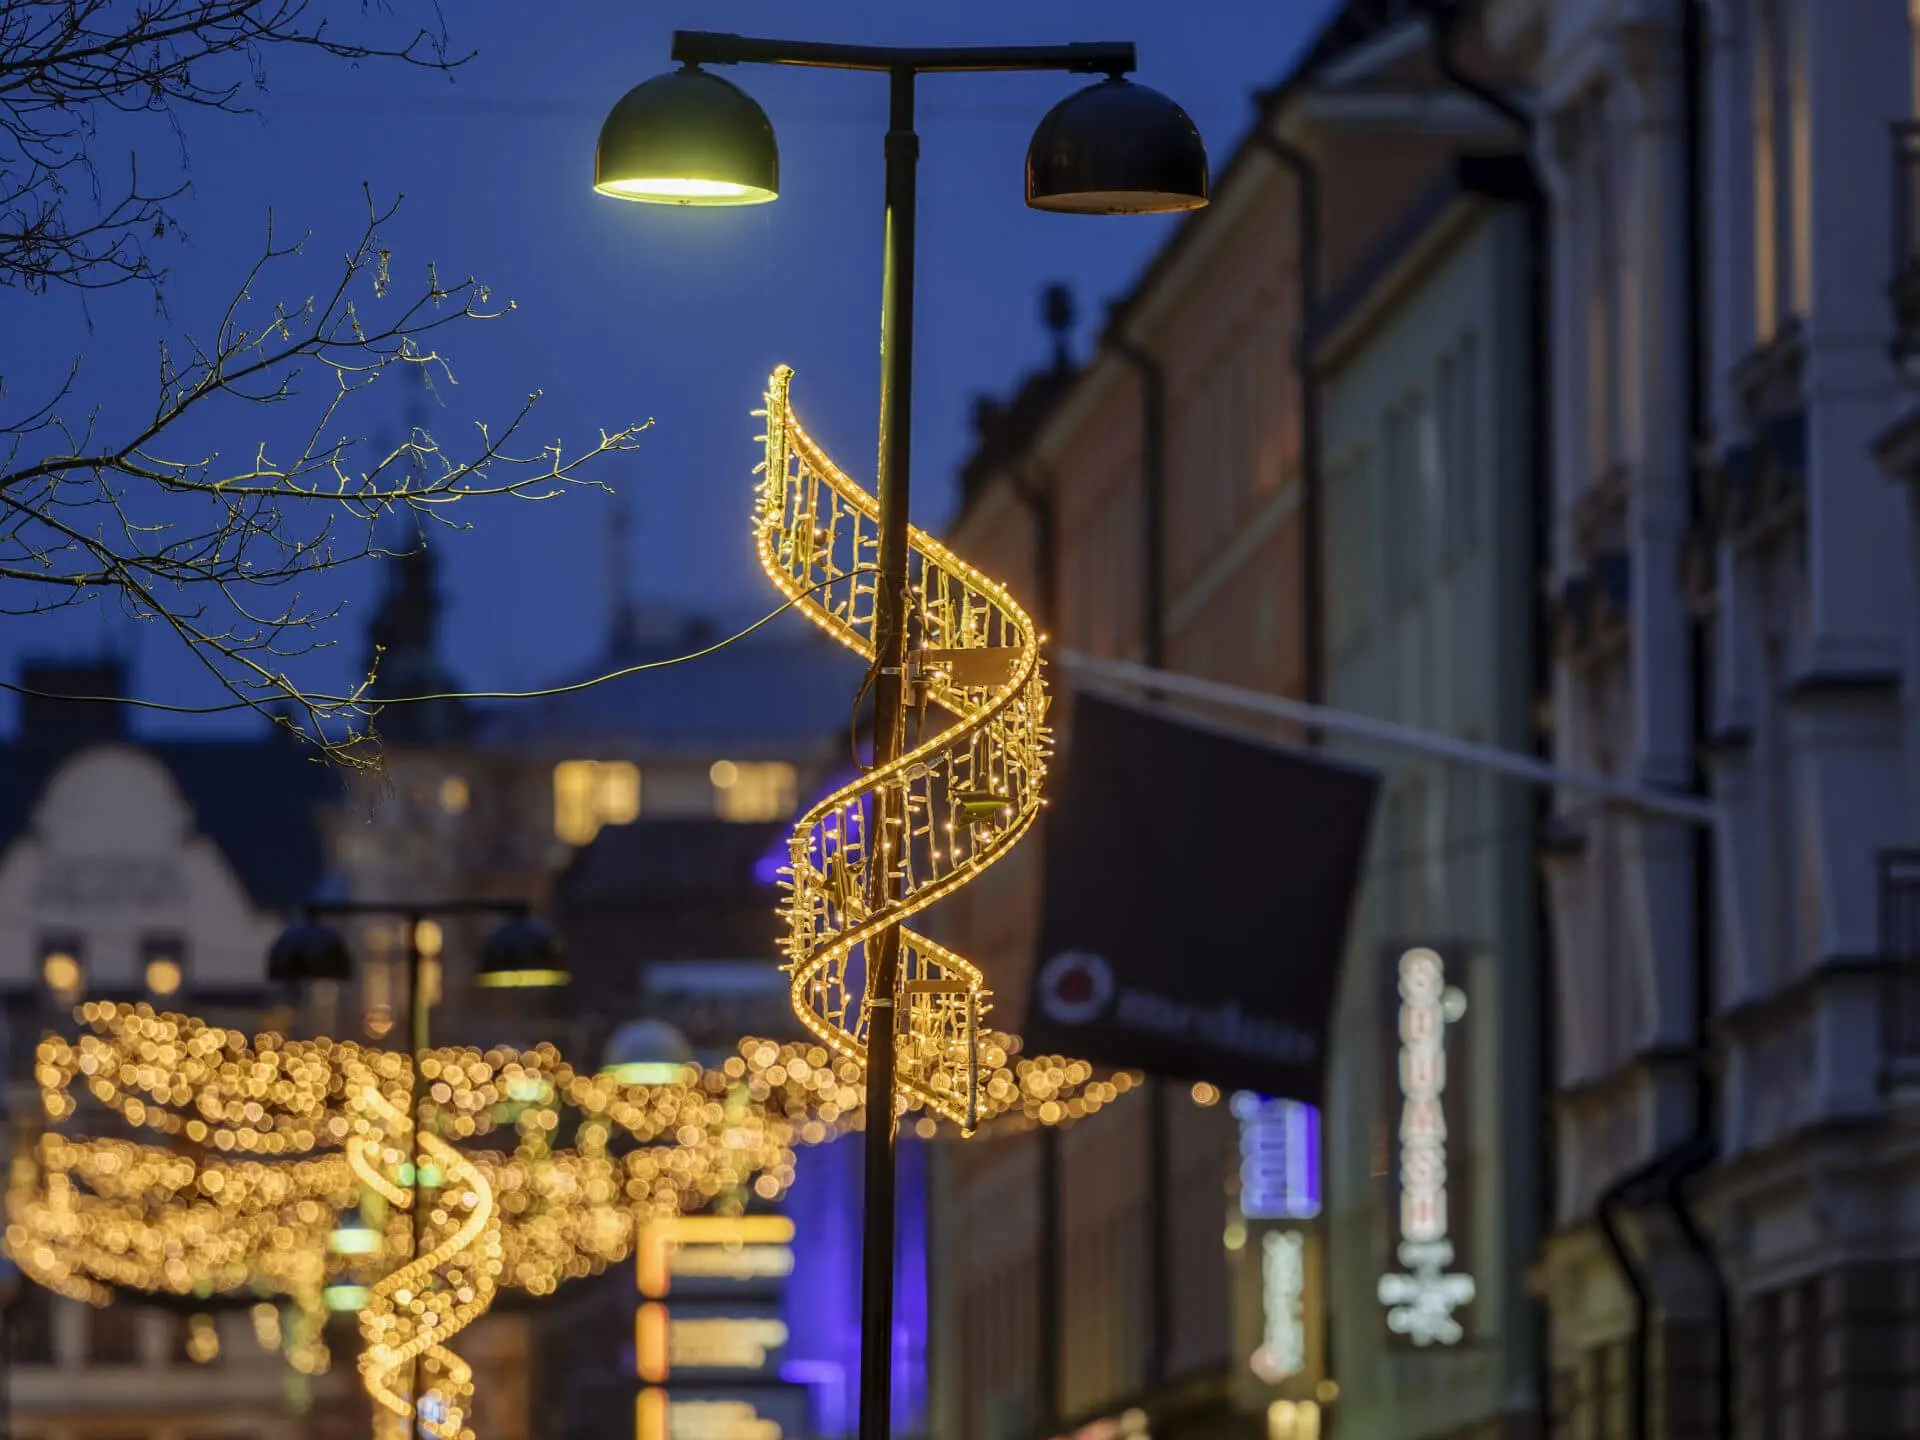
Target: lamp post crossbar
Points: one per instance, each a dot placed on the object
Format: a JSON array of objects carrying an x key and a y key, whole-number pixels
[{"x": 710, "y": 47}]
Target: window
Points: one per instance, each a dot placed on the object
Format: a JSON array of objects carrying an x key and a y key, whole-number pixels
[
  {"x": 1456, "y": 392},
  {"x": 63, "y": 966},
  {"x": 455, "y": 795},
  {"x": 1913, "y": 42},
  {"x": 1407, "y": 483},
  {"x": 590, "y": 793},
  {"x": 116, "y": 1335},
  {"x": 1350, "y": 548},
  {"x": 163, "y": 964},
  {"x": 1600, "y": 237},
  {"x": 195, "y": 1340},
  {"x": 753, "y": 790},
  {"x": 1782, "y": 168},
  {"x": 379, "y": 980},
  {"x": 32, "y": 1326},
  {"x": 1412, "y": 858}
]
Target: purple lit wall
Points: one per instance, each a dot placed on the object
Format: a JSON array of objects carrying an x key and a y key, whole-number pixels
[
  {"x": 769, "y": 867},
  {"x": 823, "y": 1294}
]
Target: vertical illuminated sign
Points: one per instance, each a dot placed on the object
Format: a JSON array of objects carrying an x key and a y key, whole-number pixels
[
  {"x": 1279, "y": 1158},
  {"x": 1422, "y": 1297},
  {"x": 1280, "y": 1181},
  {"x": 716, "y": 1336},
  {"x": 1279, "y": 1313},
  {"x": 1283, "y": 1292}
]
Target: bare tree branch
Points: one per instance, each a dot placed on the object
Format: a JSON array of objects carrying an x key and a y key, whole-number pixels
[
  {"x": 66, "y": 63},
  {"x": 218, "y": 550}
]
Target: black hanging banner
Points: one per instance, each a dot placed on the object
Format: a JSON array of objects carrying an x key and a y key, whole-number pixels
[{"x": 1198, "y": 884}]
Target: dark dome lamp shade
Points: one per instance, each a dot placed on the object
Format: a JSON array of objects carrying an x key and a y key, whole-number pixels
[
  {"x": 687, "y": 138},
  {"x": 523, "y": 954},
  {"x": 1116, "y": 148},
  {"x": 308, "y": 951}
]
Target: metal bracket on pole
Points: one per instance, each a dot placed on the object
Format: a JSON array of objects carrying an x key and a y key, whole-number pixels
[{"x": 1157, "y": 686}]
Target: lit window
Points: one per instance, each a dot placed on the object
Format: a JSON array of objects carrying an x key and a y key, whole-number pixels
[
  {"x": 377, "y": 983},
  {"x": 164, "y": 964},
  {"x": 454, "y": 794},
  {"x": 1293, "y": 1420},
  {"x": 590, "y": 793},
  {"x": 201, "y": 1340},
  {"x": 61, "y": 967},
  {"x": 430, "y": 940},
  {"x": 753, "y": 790}
]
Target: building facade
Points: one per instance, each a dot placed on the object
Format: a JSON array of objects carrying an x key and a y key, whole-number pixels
[
  {"x": 140, "y": 870},
  {"x": 1154, "y": 503},
  {"x": 1432, "y": 1186},
  {"x": 1733, "y": 609},
  {"x": 499, "y": 798}
]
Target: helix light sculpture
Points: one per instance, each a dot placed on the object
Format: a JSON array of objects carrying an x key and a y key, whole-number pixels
[{"x": 965, "y": 794}]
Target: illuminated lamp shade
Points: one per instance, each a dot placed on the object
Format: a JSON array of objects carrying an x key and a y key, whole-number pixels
[
  {"x": 647, "y": 1052},
  {"x": 344, "y": 1298},
  {"x": 687, "y": 138},
  {"x": 353, "y": 1236},
  {"x": 307, "y": 951},
  {"x": 523, "y": 954},
  {"x": 1116, "y": 148}
]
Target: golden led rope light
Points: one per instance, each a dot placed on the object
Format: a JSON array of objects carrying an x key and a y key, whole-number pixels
[
  {"x": 415, "y": 1309},
  {"x": 966, "y": 795}
]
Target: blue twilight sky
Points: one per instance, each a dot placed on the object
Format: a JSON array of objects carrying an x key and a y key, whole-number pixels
[{"x": 628, "y": 312}]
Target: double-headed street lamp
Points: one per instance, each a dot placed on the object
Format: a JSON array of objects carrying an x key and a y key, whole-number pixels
[{"x": 691, "y": 138}]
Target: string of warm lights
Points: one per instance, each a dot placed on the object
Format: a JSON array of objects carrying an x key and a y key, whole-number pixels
[
  {"x": 257, "y": 1150},
  {"x": 956, "y": 802}
]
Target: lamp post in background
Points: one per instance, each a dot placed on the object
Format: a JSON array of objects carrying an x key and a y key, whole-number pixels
[
  {"x": 523, "y": 952},
  {"x": 691, "y": 138}
]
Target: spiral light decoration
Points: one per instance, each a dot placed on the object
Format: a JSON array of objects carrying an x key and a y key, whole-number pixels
[
  {"x": 962, "y": 796},
  {"x": 417, "y": 1307}
]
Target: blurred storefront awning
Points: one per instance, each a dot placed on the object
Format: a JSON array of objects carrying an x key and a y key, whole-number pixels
[{"x": 1198, "y": 884}]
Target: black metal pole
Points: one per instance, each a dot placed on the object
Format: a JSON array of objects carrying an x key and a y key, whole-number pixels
[
  {"x": 6, "y": 1360},
  {"x": 20, "y": 1281},
  {"x": 417, "y": 1038},
  {"x": 889, "y": 735}
]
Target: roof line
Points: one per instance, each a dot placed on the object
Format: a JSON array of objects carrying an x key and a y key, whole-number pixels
[{"x": 1502, "y": 177}]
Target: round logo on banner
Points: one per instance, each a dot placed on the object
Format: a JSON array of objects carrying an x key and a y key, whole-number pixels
[{"x": 1075, "y": 987}]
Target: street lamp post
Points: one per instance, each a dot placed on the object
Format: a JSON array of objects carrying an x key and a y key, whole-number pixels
[
  {"x": 691, "y": 138},
  {"x": 522, "y": 952}
]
